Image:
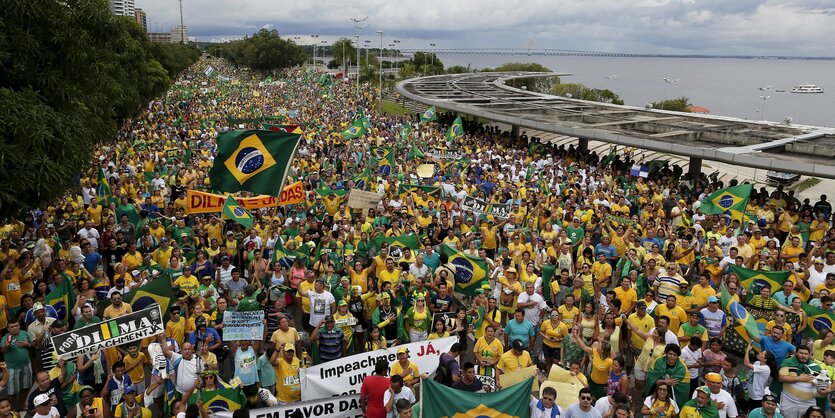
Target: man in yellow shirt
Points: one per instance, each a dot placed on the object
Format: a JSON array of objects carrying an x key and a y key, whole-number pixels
[
  {"x": 703, "y": 290},
  {"x": 671, "y": 310},
  {"x": 602, "y": 271},
  {"x": 642, "y": 321},
  {"x": 186, "y": 282},
  {"x": 515, "y": 358},
  {"x": 627, "y": 295},
  {"x": 288, "y": 383},
  {"x": 405, "y": 368}
]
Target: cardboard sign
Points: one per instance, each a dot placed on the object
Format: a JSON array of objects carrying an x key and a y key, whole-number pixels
[{"x": 361, "y": 199}]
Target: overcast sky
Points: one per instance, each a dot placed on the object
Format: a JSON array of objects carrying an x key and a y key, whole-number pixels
[{"x": 723, "y": 27}]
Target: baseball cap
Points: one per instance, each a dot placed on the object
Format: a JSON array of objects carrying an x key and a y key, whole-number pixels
[
  {"x": 343, "y": 303},
  {"x": 289, "y": 347},
  {"x": 641, "y": 304},
  {"x": 712, "y": 299},
  {"x": 713, "y": 378},
  {"x": 402, "y": 350},
  {"x": 769, "y": 398},
  {"x": 42, "y": 399},
  {"x": 518, "y": 345},
  {"x": 130, "y": 389}
]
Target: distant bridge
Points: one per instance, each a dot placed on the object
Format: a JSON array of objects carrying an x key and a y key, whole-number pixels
[{"x": 521, "y": 51}]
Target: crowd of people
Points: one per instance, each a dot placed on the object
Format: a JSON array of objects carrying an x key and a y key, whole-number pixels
[{"x": 615, "y": 278}]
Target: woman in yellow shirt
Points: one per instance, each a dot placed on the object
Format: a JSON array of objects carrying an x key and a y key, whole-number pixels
[
  {"x": 438, "y": 330},
  {"x": 553, "y": 332},
  {"x": 601, "y": 364}
]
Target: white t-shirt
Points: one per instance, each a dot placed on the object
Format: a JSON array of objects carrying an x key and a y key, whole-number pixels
[
  {"x": 405, "y": 393},
  {"x": 532, "y": 312},
  {"x": 603, "y": 405},
  {"x": 729, "y": 411},
  {"x": 691, "y": 357},
  {"x": 760, "y": 378},
  {"x": 537, "y": 413},
  {"x": 53, "y": 413},
  {"x": 320, "y": 306}
]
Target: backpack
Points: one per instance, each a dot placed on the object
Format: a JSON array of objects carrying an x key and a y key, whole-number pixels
[{"x": 443, "y": 374}]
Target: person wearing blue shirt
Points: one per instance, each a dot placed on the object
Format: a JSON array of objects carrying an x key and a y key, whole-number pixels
[
  {"x": 246, "y": 364},
  {"x": 204, "y": 333},
  {"x": 606, "y": 247},
  {"x": 431, "y": 258},
  {"x": 776, "y": 345},
  {"x": 768, "y": 410},
  {"x": 785, "y": 297},
  {"x": 520, "y": 329}
]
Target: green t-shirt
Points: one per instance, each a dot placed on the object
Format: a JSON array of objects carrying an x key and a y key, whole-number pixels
[
  {"x": 248, "y": 304},
  {"x": 17, "y": 357},
  {"x": 81, "y": 322}
]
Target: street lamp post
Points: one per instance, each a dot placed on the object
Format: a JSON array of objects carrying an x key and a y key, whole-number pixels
[
  {"x": 182, "y": 28},
  {"x": 357, "y": 20},
  {"x": 667, "y": 82},
  {"x": 433, "y": 58},
  {"x": 380, "y": 58},
  {"x": 762, "y": 108}
]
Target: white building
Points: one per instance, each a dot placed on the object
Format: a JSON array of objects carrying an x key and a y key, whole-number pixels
[
  {"x": 123, "y": 8},
  {"x": 179, "y": 34}
]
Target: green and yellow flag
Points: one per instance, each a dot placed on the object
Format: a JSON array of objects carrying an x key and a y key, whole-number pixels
[
  {"x": 356, "y": 130},
  {"x": 403, "y": 241},
  {"x": 440, "y": 401},
  {"x": 62, "y": 298},
  {"x": 383, "y": 159},
  {"x": 730, "y": 200},
  {"x": 105, "y": 197},
  {"x": 755, "y": 280},
  {"x": 469, "y": 271},
  {"x": 746, "y": 325},
  {"x": 157, "y": 291},
  {"x": 221, "y": 400},
  {"x": 818, "y": 320},
  {"x": 234, "y": 211},
  {"x": 455, "y": 131},
  {"x": 428, "y": 115},
  {"x": 405, "y": 131},
  {"x": 255, "y": 161}
]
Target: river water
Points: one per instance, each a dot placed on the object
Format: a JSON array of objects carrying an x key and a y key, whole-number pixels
[{"x": 726, "y": 86}]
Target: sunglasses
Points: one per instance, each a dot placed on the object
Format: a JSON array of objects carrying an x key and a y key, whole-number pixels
[
  {"x": 585, "y": 398},
  {"x": 547, "y": 398}
]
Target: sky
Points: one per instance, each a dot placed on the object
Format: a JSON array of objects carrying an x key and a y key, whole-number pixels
[{"x": 686, "y": 27}]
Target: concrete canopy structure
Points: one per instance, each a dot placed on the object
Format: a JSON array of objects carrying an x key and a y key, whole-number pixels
[{"x": 807, "y": 150}]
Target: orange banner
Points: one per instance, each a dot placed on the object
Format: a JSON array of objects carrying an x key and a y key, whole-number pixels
[{"x": 202, "y": 202}]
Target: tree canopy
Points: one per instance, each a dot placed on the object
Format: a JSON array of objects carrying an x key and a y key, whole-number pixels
[
  {"x": 680, "y": 104},
  {"x": 580, "y": 91},
  {"x": 71, "y": 73},
  {"x": 343, "y": 48},
  {"x": 264, "y": 51}
]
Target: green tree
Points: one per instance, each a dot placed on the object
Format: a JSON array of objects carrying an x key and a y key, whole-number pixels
[
  {"x": 459, "y": 69},
  {"x": 580, "y": 91},
  {"x": 428, "y": 63},
  {"x": 344, "y": 48},
  {"x": 537, "y": 84},
  {"x": 265, "y": 50},
  {"x": 72, "y": 72},
  {"x": 680, "y": 104},
  {"x": 407, "y": 70}
]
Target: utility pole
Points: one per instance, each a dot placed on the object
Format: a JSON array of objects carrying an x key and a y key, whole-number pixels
[
  {"x": 357, "y": 20},
  {"x": 380, "y": 58},
  {"x": 182, "y": 28}
]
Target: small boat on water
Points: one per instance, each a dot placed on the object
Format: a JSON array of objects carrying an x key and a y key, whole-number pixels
[{"x": 806, "y": 88}]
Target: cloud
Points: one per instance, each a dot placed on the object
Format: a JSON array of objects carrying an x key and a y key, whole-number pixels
[{"x": 750, "y": 27}]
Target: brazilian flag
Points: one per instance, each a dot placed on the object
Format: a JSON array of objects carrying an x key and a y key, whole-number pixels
[
  {"x": 730, "y": 200},
  {"x": 455, "y": 131},
  {"x": 362, "y": 180},
  {"x": 439, "y": 400},
  {"x": 416, "y": 188},
  {"x": 286, "y": 257},
  {"x": 415, "y": 152},
  {"x": 536, "y": 148},
  {"x": 384, "y": 158},
  {"x": 396, "y": 244},
  {"x": 428, "y": 115},
  {"x": 324, "y": 192},
  {"x": 221, "y": 400},
  {"x": 405, "y": 131},
  {"x": 356, "y": 130},
  {"x": 158, "y": 291},
  {"x": 745, "y": 324},
  {"x": 469, "y": 271},
  {"x": 818, "y": 320},
  {"x": 754, "y": 280},
  {"x": 103, "y": 193},
  {"x": 255, "y": 161},
  {"x": 62, "y": 298},
  {"x": 234, "y": 211}
]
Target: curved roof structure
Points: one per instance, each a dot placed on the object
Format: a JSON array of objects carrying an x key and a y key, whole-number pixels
[{"x": 808, "y": 150}]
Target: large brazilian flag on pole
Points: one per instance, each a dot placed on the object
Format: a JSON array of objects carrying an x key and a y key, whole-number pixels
[
  {"x": 439, "y": 401},
  {"x": 468, "y": 271},
  {"x": 255, "y": 161}
]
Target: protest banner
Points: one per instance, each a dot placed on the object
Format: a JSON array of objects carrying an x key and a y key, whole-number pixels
[
  {"x": 502, "y": 211},
  {"x": 239, "y": 326},
  {"x": 344, "y": 377},
  {"x": 620, "y": 220},
  {"x": 202, "y": 202},
  {"x": 361, "y": 199},
  {"x": 347, "y": 406},
  {"x": 473, "y": 204},
  {"x": 444, "y": 154},
  {"x": 117, "y": 331},
  {"x": 425, "y": 171}
]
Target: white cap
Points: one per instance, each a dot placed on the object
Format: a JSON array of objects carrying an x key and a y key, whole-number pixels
[{"x": 41, "y": 399}]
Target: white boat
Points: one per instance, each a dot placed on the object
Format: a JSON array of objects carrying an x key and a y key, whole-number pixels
[{"x": 806, "y": 88}]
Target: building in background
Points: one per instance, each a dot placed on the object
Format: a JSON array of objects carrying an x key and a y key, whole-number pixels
[
  {"x": 179, "y": 34},
  {"x": 123, "y": 8},
  {"x": 161, "y": 37},
  {"x": 142, "y": 19}
]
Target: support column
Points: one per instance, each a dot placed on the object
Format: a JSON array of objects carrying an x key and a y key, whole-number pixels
[
  {"x": 695, "y": 168},
  {"x": 515, "y": 131},
  {"x": 583, "y": 144}
]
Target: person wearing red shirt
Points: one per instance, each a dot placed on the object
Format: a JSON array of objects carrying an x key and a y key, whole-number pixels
[{"x": 373, "y": 389}]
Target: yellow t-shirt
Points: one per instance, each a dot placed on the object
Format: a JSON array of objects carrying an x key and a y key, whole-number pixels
[
  {"x": 412, "y": 368},
  {"x": 187, "y": 284},
  {"x": 645, "y": 324},
  {"x": 677, "y": 316},
  {"x": 493, "y": 349},
  {"x": 287, "y": 387},
  {"x": 568, "y": 315},
  {"x": 176, "y": 330},
  {"x": 304, "y": 285},
  {"x": 600, "y": 368},
  {"x": 137, "y": 374},
  {"x": 628, "y": 298},
  {"x": 510, "y": 362},
  {"x": 559, "y": 332},
  {"x": 701, "y": 294}
]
